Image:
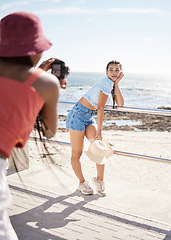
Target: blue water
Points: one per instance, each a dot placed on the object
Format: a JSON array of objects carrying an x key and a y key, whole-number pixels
[{"x": 139, "y": 90}]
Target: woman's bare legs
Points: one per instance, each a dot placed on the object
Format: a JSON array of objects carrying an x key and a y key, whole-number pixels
[
  {"x": 77, "y": 140},
  {"x": 100, "y": 172},
  {"x": 90, "y": 133}
]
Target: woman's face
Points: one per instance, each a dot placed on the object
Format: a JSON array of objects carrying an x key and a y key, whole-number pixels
[{"x": 113, "y": 71}]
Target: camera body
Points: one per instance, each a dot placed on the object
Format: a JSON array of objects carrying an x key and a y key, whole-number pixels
[{"x": 60, "y": 70}]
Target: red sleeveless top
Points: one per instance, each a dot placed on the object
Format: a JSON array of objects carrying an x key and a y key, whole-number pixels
[{"x": 19, "y": 107}]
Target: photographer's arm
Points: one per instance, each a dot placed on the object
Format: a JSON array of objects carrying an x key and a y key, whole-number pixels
[
  {"x": 49, "y": 111},
  {"x": 48, "y": 88}
]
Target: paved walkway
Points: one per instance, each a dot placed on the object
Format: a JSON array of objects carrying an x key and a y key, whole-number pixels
[
  {"x": 38, "y": 214},
  {"x": 48, "y": 206}
]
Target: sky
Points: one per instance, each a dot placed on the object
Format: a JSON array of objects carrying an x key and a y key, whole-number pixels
[{"x": 87, "y": 34}]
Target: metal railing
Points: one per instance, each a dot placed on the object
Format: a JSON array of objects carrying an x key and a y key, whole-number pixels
[
  {"x": 161, "y": 112},
  {"x": 123, "y": 109},
  {"x": 127, "y": 154}
]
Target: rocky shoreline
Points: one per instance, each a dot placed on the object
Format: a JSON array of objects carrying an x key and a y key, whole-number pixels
[{"x": 146, "y": 122}]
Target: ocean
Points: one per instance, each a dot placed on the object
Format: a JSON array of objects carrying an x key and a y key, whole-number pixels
[{"x": 139, "y": 90}]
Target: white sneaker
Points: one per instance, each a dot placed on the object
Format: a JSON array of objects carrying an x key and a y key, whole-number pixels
[
  {"x": 100, "y": 185},
  {"x": 85, "y": 188}
]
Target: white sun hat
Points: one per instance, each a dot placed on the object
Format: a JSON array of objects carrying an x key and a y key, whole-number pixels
[{"x": 99, "y": 151}]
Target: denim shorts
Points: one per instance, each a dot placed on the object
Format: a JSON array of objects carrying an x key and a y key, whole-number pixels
[{"x": 80, "y": 117}]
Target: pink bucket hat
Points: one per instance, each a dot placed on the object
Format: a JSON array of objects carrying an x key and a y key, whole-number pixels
[{"x": 21, "y": 34}]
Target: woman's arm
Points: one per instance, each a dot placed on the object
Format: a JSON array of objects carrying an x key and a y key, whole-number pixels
[
  {"x": 48, "y": 87},
  {"x": 119, "y": 98},
  {"x": 50, "y": 114},
  {"x": 100, "y": 113},
  {"x": 49, "y": 111}
]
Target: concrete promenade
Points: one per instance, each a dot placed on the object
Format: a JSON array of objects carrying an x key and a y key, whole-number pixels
[{"x": 38, "y": 214}]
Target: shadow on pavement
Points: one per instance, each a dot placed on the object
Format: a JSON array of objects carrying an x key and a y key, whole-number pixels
[{"x": 45, "y": 214}]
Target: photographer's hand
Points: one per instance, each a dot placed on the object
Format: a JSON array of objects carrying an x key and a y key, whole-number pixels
[
  {"x": 63, "y": 83},
  {"x": 46, "y": 65}
]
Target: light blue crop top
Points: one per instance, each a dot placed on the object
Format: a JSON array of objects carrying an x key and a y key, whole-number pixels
[{"x": 92, "y": 95}]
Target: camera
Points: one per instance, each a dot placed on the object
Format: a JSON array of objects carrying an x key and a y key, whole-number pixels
[{"x": 60, "y": 70}]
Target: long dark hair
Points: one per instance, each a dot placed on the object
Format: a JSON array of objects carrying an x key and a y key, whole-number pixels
[{"x": 113, "y": 92}]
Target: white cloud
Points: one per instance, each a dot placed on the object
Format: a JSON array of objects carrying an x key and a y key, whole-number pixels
[
  {"x": 13, "y": 4},
  {"x": 88, "y": 20},
  {"x": 82, "y": 1},
  {"x": 69, "y": 10},
  {"x": 56, "y": 1},
  {"x": 75, "y": 10},
  {"x": 136, "y": 10},
  {"x": 149, "y": 39}
]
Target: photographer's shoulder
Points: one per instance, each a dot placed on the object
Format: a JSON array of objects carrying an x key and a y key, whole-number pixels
[
  {"x": 49, "y": 80},
  {"x": 47, "y": 85}
]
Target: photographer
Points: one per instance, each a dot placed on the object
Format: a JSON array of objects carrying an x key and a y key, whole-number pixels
[{"x": 25, "y": 92}]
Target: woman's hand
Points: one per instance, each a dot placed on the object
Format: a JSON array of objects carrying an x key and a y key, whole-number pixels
[
  {"x": 98, "y": 137},
  {"x": 119, "y": 78},
  {"x": 46, "y": 65},
  {"x": 63, "y": 83}
]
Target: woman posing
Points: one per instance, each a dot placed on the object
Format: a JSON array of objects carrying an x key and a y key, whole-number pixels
[{"x": 80, "y": 122}]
